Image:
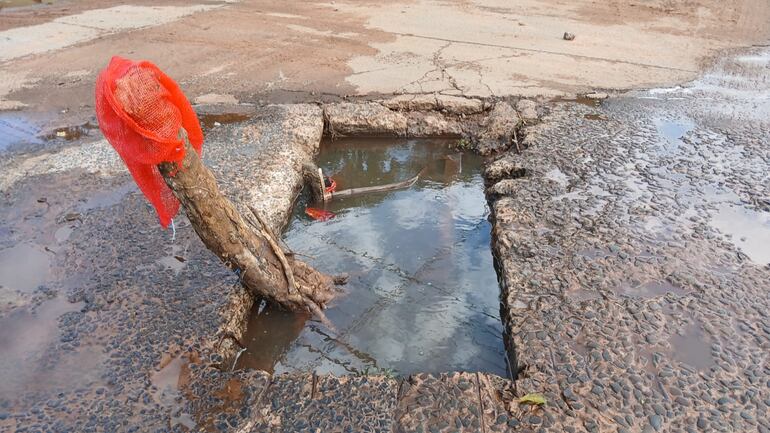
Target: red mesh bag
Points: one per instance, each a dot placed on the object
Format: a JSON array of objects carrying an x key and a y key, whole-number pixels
[{"x": 140, "y": 112}]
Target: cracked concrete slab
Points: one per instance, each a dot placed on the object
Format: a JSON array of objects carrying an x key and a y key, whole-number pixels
[
  {"x": 265, "y": 51},
  {"x": 88, "y": 25},
  {"x": 489, "y": 48}
]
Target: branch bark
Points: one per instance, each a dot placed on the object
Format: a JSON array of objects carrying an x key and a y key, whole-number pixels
[{"x": 243, "y": 249}]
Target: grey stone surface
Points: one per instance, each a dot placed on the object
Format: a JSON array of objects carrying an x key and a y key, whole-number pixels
[
  {"x": 406, "y": 116},
  {"x": 260, "y": 162},
  {"x": 454, "y": 105},
  {"x": 328, "y": 404},
  {"x": 370, "y": 118},
  {"x": 433, "y": 124},
  {"x": 498, "y": 129},
  {"x": 527, "y": 110},
  {"x": 453, "y": 402},
  {"x": 627, "y": 302}
]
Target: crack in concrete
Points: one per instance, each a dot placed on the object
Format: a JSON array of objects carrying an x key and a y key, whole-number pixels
[{"x": 534, "y": 50}]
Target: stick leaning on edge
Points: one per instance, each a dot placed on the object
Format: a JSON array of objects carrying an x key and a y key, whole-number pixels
[{"x": 266, "y": 271}]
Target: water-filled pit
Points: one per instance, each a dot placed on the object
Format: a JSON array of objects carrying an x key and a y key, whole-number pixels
[{"x": 423, "y": 293}]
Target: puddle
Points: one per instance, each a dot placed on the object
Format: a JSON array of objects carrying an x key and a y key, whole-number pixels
[
  {"x": 29, "y": 362},
  {"x": 71, "y": 133},
  {"x": 691, "y": 347},
  {"x": 27, "y": 130},
  {"x": 269, "y": 334},
  {"x": 673, "y": 131},
  {"x": 209, "y": 121},
  {"x": 423, "y": 294},
  {"x": 62, "y": 234},
  {"x": 747, "y": 229},
  {"x": 168, "y": 382},
  {"x": 17, "y": 130},
  {"x": 105, "y": 199},
  {"x": 650, "y": 289},
  {"x": 24, "y": 267}
]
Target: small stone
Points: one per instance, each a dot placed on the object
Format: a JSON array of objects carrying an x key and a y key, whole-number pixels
[
  {"x": 656, "y": 421},
  {"x": 534, "y": 419},
  {"x": 527, "y": 109},
  {"x": 701, "y": 423},
  {"x": 569, "y": 36},
  {"x": 569, "y": 394},
  {"x": 597, "y": 95},
  {"x": 658, "y": 408}
]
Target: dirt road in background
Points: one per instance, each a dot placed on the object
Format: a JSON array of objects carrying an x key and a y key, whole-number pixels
[{"x": 226, "y": 51}]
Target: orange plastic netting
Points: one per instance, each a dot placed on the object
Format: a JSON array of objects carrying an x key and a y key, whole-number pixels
[{"x": 140, "y": 112}]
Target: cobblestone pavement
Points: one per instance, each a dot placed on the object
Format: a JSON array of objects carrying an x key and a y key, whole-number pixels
[
  {"x": 254, "y": 402},
  {"x": 633, "y": 239}
]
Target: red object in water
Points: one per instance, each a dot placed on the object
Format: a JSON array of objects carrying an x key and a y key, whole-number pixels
[
  {"x": 319, "y": 214},
  {"x": 332, "y": 184},
  {"x": 140, "y": 111}
]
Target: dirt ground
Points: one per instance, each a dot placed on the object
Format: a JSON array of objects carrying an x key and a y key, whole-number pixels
[{"x": 227, "y": 51}]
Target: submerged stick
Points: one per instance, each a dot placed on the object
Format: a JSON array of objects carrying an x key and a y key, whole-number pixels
[
  {"x": 378, "y": 188},
  {"x": 263, "y": 268}
]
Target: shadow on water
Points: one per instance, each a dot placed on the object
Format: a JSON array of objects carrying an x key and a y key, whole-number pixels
[{"x": 423, "y": 292}]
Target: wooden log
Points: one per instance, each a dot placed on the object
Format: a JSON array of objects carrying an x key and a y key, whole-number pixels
[{"x": 245, "y": 248}]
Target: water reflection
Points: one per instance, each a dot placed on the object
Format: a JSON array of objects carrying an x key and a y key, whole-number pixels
[{"x": 423, "y": 294}]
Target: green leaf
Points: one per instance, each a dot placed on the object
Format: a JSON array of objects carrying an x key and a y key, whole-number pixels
[{"x": 533, "y": 398}]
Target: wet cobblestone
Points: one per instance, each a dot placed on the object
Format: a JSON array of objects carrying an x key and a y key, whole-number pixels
[{"x": 625, "y": 303}]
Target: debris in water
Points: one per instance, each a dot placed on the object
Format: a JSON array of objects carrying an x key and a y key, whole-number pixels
[
  {"x": 330, "y": 184},
  {"x": 319, "y": 214}
]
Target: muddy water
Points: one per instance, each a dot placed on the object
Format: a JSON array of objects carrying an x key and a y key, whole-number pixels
[
  {"x": 29, "y": 365},
  {"x": 423, "y": 293}
]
